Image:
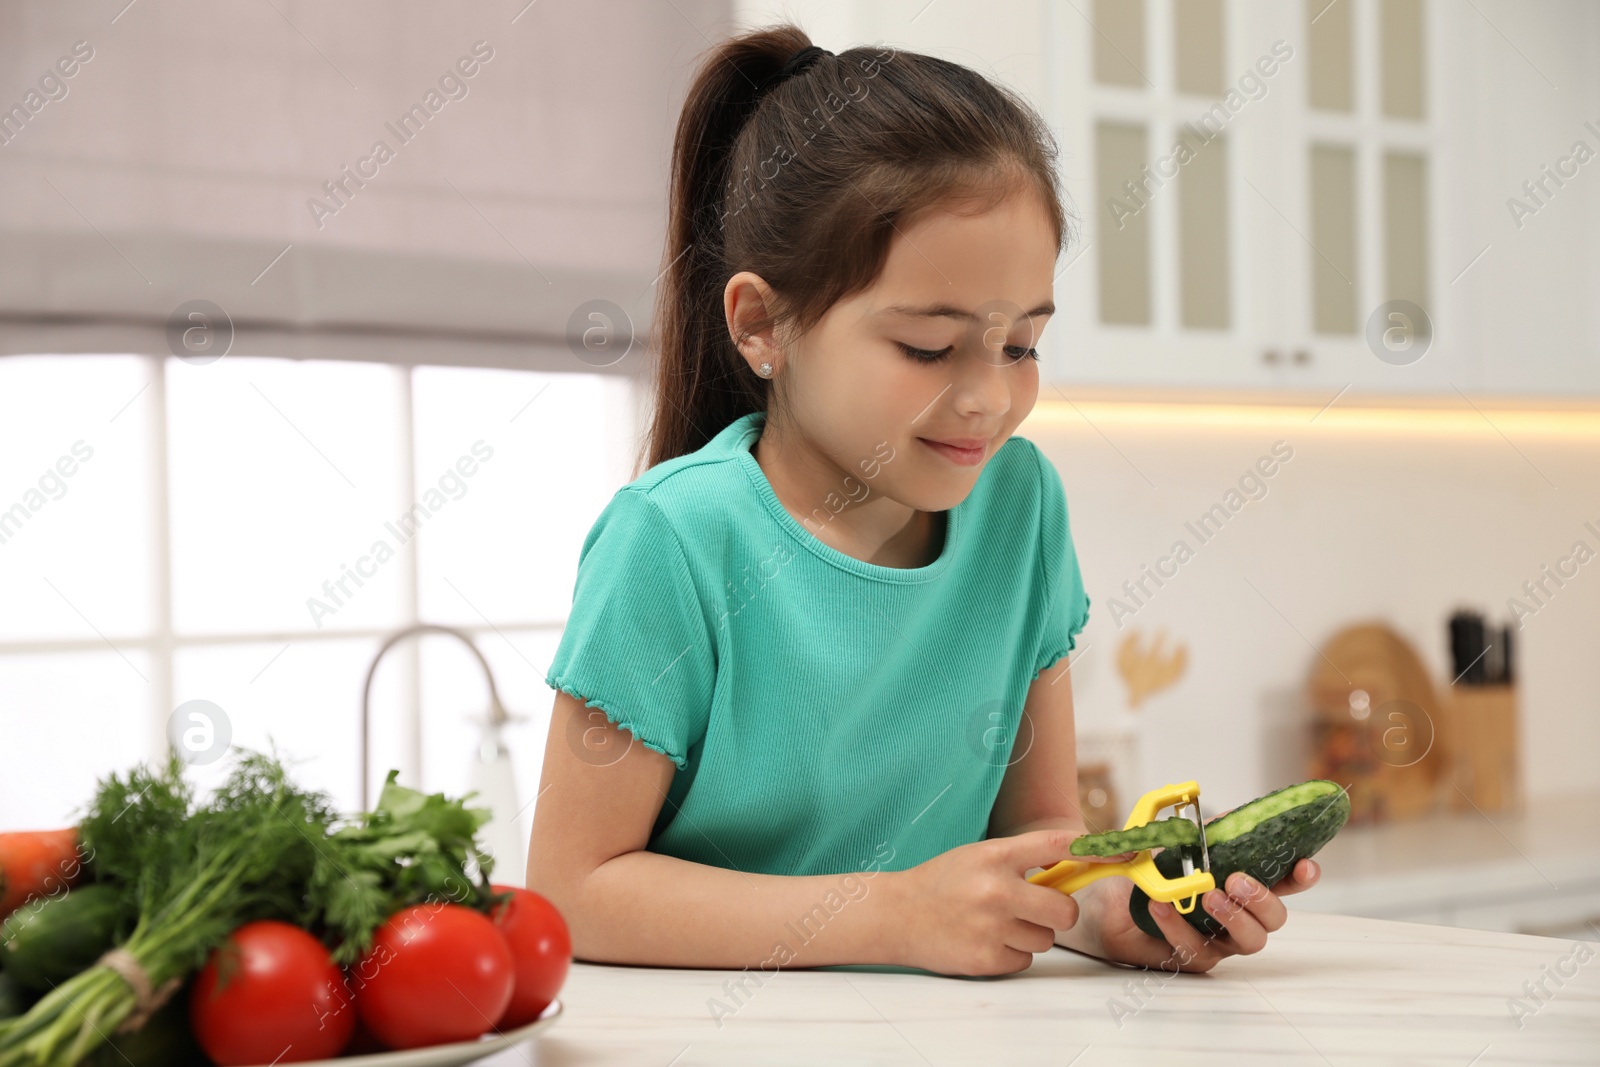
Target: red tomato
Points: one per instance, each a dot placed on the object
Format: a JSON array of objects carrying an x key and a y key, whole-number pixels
[
  {"x": 363, "y": 1043},
  {"x": 541, "y": 949},
  {"x": 270, "y": 994},
  {"x": 436, "y": 973}
]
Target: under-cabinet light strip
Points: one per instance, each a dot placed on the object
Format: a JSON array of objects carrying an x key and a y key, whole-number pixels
[{"x": 1339, "y": 417}]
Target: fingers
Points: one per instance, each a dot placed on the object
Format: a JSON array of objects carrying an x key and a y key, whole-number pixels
[
  {"x": 1303, "y": 876},
  {"x": 1307, "y": 872},
  {"x": 1241, "y": 925},
  {"x": 1247, "y": 911},
  {"x": 1042, "y": 906},
  {"x": 1257, "y": 901},
  {"x": 1046, "y": 848},
  {"x": 1040, "y": 848},
  {"x": 1191, "y": 950},
  {"x": 1030, "y": 937}
]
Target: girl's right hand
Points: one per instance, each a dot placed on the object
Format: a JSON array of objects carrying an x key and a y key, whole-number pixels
[{"x": 972, "y": 911}]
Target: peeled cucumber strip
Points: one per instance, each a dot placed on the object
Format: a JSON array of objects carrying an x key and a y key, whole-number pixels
[
  {"x": 1264, "y": 838},
  {"x": 1163, "y": 833}
]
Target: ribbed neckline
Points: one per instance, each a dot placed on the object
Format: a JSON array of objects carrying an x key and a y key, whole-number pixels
[{"x": 744, "y": 431}]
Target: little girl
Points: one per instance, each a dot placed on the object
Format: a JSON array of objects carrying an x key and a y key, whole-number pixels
[{"x": 813, "y": 704}]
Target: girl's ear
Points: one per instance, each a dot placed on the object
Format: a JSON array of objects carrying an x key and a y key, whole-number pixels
[{"x": 751, "y": 307}]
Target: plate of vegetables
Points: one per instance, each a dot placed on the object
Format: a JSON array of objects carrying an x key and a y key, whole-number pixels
[
  {"x": 453, "y": 1055},
  {"x": 260, "y": 926}
]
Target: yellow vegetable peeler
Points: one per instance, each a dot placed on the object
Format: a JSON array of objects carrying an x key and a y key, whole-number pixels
[{"x": 1072, "y": 875}]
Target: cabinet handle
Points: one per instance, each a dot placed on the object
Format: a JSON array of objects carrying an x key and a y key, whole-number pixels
[
  {"x": 1302, "y": 356},
  {"x": 1270, "y": 356}
]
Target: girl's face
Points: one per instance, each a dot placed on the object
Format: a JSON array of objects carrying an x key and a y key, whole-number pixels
[{"x": 938, "y": 349}]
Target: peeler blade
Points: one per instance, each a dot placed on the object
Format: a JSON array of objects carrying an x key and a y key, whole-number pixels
[
  {"x": 1070, "y": 875},
  {"x": 1188, "y": 851}
]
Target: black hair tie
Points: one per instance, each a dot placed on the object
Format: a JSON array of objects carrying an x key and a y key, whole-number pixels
[{"x": 798, "y": 63}]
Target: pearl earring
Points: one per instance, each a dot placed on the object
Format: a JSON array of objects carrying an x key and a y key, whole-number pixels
[{"x": 766, "y": 370}]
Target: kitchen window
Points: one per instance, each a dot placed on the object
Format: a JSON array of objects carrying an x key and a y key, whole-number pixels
[{"x": 210, "y": 509}]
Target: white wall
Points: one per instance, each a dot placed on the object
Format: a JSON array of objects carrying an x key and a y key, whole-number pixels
[{"x": 1400, "y": 526}]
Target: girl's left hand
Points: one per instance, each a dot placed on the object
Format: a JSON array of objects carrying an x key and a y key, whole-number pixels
[{"x": 1247, "y": 911}]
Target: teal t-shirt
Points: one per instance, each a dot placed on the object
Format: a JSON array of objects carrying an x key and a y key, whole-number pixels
[{"x": 826, "y": 715}]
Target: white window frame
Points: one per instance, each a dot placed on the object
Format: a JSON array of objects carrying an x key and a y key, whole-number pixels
[{"x": 162, "y": 642}]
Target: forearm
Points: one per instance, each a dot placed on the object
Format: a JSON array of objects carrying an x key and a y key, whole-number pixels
[{"x": 655, "y": 910}]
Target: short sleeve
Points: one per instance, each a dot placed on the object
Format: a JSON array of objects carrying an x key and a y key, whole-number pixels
[
  {"x": 1067, "y": 609},
  {"x": 637, "y": 643}
]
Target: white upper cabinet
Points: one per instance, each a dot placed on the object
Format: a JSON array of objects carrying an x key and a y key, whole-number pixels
[{"x": 1315, "y": 194}]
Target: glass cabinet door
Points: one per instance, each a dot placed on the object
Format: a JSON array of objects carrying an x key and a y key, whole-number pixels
[{"x": 1252, "y": 180}]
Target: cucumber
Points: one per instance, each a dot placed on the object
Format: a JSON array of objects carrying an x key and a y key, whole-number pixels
[
  {"x": 1163, "y": 833},
  {"x": 1264, "y": 838},
  {"x": 48, "y": 941}
]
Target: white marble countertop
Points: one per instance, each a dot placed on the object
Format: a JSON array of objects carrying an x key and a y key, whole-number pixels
[{"x": 1327, "y": 990}]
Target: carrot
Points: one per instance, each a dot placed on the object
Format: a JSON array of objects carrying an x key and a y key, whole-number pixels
[{"x": 36, "y": 862}]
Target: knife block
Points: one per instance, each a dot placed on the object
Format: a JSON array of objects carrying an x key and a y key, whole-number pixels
[{"x": 1482, "y": 748}]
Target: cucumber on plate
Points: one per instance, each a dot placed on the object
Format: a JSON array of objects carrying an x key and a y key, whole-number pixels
[{"x": 45, "y": 942}]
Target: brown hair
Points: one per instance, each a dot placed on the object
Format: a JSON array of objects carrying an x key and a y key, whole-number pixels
[{"x": 803, "y": 184}]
